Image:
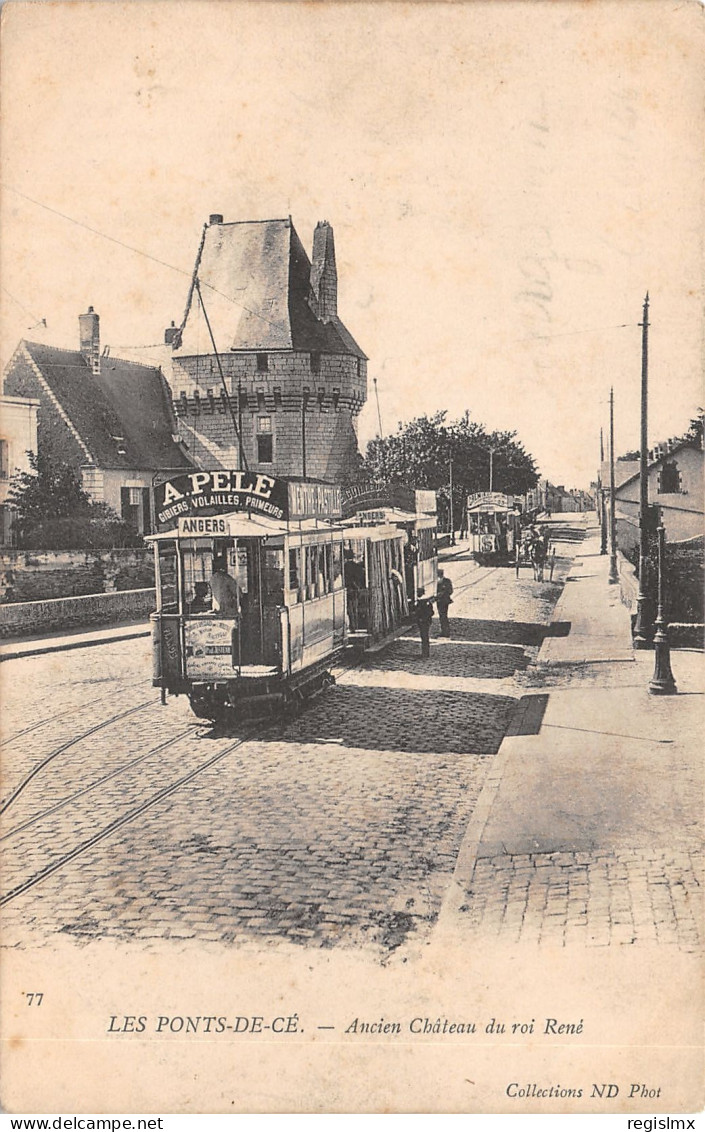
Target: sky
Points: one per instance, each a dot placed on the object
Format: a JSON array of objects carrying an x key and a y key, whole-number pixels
[{"x": 505, "y": 182}]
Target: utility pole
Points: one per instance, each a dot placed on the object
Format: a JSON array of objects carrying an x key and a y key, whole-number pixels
[
  {"x": 239, "y": 417},
  {"x": 601, "y": 496},
  {"x": 614, "y": 573},
  {"x": 642, "y": 626},
  {"x": 491, "y": 466}
]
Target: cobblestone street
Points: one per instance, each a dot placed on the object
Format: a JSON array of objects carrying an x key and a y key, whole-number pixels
[{"x": 339, "y": 828}]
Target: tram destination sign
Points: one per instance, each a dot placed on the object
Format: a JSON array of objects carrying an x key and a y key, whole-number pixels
[
  {"x": 223, "y": 491},
  {"x": 490, "y": 499}
]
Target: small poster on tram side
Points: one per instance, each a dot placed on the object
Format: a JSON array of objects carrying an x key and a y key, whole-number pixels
[{"x": 351, "y": 653}]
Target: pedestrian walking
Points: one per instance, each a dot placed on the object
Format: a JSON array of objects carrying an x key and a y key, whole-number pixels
[
  {"x": 424, "y": 617},
  {"x": 444, "y": 599}
]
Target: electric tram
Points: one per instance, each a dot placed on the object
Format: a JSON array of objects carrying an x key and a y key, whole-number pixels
[
  {"x": 494, "y": 526},
  {"x": 251, "y": 599}
]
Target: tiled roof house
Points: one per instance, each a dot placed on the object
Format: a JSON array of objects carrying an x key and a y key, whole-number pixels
[{"x": 111, "y": 419}]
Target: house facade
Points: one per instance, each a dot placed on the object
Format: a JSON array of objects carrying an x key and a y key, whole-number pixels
[
  {"x": 18, "y": 436},
  {"x": 675, "y": 478},
  {"x": 262, "y": 370},
  {"x": 110, "y": 419}
]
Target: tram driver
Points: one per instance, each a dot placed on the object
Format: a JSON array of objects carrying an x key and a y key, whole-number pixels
[{"x": 225, "y": 590}]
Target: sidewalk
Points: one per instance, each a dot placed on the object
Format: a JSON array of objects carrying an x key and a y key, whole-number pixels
[
  {"x": 14, "y": 648},
  {"x": 590, "y": 829}
]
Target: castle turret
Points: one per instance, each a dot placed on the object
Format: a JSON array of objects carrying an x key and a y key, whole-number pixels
[{"x": 295, "y": 379}]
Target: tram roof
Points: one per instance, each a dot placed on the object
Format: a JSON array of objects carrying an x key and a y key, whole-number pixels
[{"x": 379, "y": 533}]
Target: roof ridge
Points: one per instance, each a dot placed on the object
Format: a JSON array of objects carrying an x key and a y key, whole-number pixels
[
  {"x": 268, "y": 220},
  {"x": 49, "y": 346},
  {"x": 129, "y": 361},
  {"x": 103, "y": 357}
]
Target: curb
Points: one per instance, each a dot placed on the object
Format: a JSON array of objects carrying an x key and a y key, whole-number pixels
[{"x": 66, "y": 645}]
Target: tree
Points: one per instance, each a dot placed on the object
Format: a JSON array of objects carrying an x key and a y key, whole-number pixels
[
  {"x": 46, "y": 492},
  {"x": 53, "y": 512},
  {"x": 697, "y": 424},
  {"x": 420, "y": 454}
]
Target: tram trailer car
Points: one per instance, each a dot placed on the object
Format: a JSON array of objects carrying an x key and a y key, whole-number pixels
[
  {"x": 420, "y": 527},
  {"x": 378, "y": 604},
  {"x": 251, "y": 601}
]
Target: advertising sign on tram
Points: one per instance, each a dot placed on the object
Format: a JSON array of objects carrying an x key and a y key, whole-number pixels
[{"x": 219, "y": 492}]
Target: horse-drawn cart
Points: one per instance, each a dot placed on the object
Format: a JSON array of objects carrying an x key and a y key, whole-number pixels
[{"x": 534, "y": 550}]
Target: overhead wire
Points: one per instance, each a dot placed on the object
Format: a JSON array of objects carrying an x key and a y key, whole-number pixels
[{"x": 139, "y": 251}]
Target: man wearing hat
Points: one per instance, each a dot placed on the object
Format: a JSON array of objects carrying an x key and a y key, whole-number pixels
[{"x": 424, "y": 617}]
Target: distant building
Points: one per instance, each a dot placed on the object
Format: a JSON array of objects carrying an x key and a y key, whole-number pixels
[
  {"x": 675, "y": 474},
  {"x": 111, "y": 420},
  {"x": 295, "y": 379},
  {"x": 556, "y": 498},
  {"x": 18, "y": 436}
]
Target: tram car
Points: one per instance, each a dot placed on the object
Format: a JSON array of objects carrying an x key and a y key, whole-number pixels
[
  {"x": 415, "y": 513},
  {"x": 494, "y": 526},
  {"x": 377, "y": 598},
  {"x": 251, "y": 600}
]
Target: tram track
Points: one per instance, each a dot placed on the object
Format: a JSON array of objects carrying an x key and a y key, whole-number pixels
[
  {"x": 190, "y": 730},
  {"x": 6, "y": 742},
  {"x": 135, "y": 812},
  {"x": 68, "y": 744}
]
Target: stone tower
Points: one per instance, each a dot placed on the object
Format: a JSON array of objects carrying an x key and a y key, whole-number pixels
[{"x": 295, "y": 379}]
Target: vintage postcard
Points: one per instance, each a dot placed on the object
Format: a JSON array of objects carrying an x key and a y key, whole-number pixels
[{"x": 351, "y": 604}]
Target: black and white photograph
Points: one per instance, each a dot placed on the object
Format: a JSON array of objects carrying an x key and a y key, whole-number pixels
[{"x": 351, "y": 557}]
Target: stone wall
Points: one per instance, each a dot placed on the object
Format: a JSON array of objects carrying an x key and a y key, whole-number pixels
[
  {"x": 25, "y": 619},
  {"x": 28, "y": 576}
]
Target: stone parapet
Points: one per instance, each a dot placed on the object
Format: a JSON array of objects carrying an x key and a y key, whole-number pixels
[{"x": 23, "y": 619}]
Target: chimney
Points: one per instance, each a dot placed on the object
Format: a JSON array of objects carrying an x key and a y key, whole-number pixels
[
  {"x": 215, "y": 218},
  {"x": 170, "y": 333},
  {"x": 89, "y": 333},
  {"x": 324, "y": 277}
]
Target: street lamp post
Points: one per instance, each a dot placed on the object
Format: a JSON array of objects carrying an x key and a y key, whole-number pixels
[
  {"x": 662, "y": 682},
  {"x": 642, "y": 625},
  {"x": 613, "y": 576}
]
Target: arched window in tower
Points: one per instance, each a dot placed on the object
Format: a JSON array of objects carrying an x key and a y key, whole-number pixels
[{"x": 669, "y": 480}]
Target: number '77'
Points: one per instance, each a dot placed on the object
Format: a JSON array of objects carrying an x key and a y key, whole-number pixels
[{"x": 31, "y": 996}]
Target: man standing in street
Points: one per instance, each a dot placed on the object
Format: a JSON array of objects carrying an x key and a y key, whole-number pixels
[
  {"x": 424, "y": 617},
  {"x": 443, "y": 601}
]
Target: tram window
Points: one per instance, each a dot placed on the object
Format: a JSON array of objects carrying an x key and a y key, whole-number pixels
[
  {"x": 337, "y": 571},
  {"x": 295, "y": 575},
  {"x": 198, "y": 565},
  {"x": 167, "y": 579},
  {"x": 323, "y": 579},
  {"x": 272, "y": 576}
]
